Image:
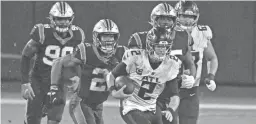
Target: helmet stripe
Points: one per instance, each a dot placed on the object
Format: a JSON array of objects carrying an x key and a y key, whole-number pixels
[
  {"x": 110, "y": 24},
  {"x": 165, "y": 7},
  {"x": 107, "y": 24},
  {"x": 60, "y": 4},
  {"x": 64, "y": 7},
  {"x": 168, "y": 8}
]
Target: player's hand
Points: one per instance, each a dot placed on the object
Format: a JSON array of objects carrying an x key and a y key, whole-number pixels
[
  {"x": 187, "y": 81},
  {"x": 168, "y": 115},
  {"x": 210, "y": 83},
  {"x": 119, "y": 94},
  {"x": 113, "y": 61},
  {"x": 27, "y": 91},
  {"x": 54, "y": 96}
]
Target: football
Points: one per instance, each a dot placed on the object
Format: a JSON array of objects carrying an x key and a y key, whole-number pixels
[{"x": 124, "y": 80}]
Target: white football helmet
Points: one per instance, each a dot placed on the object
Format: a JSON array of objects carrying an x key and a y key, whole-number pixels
[
  {"x": 61, "y": 16},
  {"x": 105, "y": 36}
]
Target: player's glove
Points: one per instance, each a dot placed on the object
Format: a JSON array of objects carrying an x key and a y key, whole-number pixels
[
  {"x": 187, "y": 81},
  {"x": 27, "y": 91},
  {"x": 168, "y": 114},
  {"x": 55, "y": 96},
  {"x": 210, "y": 83}
]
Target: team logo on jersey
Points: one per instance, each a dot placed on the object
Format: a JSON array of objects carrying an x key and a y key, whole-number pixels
[
  {"x": 150, "y": 79},
  {"x": 139, "y": 71}
]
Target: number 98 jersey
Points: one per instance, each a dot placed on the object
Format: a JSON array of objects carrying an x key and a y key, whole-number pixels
[
  {"x": 51, "y": 46},
  {"x": 149, "y": 82},
  {"x": 93, "y": 89}
]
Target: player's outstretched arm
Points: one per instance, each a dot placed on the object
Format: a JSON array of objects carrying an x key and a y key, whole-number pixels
[
  {"x": 212, "y": 66},
  {"x": 59, "y": 65},
  {"x": 56, "y": 74},
  {"x": 28, "y": 52}
]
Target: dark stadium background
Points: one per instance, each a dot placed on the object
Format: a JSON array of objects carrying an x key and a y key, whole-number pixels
[{"x": 233, "y": 25}]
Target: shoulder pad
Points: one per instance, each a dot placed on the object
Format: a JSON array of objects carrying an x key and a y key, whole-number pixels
[
  {"x": 122, "y": 47},
  {"x": 37, "y": 33},
  {"x": 136, "y": 40},
  {"x": 82, "y": 50},
  {"x": 207, "y": 32},
  {"x": 178, "y": 28},
  {"x": 46, "y": 26},
  {"x": 74, "y": 28},
  {"x": 131, "y": 54},
  {"x": 81, "y": 31}
]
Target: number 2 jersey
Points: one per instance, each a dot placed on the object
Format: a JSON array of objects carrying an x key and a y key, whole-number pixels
[
  {"x": 149, "y": 83},
  {"x": 51, "y": 46},
  {"x": 201, "y": 35},
  {"x": 93, "y": 87}
]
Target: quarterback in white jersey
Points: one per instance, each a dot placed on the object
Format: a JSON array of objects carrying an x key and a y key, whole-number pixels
[
  {"x": 201, "y": 47},
  {"x": 149, "y": 82},
  {"x": 152, "y": 69}
]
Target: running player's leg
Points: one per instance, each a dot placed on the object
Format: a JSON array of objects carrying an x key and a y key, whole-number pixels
[
  {"x": 75, "y": 110},
  {"x": 98, "y": 114},
  {"x": 189, "y": 106},
  {"x": 34, "y": 107}
]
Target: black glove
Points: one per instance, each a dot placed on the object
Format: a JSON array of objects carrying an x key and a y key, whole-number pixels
[
  {"x": 208, "y": 78},
  {"x": 54, "y": 96}
]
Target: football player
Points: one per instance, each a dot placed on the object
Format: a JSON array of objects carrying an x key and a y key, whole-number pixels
[
  {"x": 163, "y": 20},
  {"x": 95, "y": 60},
  {"x": 47, "y": 43},
  {"x": 188, "y": 15},
  {"x": 152, "y": 69}
]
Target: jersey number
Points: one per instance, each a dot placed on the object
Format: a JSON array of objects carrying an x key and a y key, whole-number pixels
[
  {"x": 54, "y": 52},
  {"x": 99, "y": 83},
  {"x": 150, "y": 88}
]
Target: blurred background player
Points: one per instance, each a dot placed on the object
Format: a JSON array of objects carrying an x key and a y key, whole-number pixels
[
  {"x": 152, "y": 69},
  {"x": 188, "y": 15},
  {"x": 48, "y": 42},
  {"x": 96, "y": 60},
  {"x": 163, "y": 21}
]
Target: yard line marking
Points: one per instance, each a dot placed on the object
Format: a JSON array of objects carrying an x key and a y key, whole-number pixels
[{"x": 116, "y": 104}]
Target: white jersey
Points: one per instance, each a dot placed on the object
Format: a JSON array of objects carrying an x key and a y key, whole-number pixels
[
  {"x": 149, "y": 83},
  {"x": 201, "y": 34}
]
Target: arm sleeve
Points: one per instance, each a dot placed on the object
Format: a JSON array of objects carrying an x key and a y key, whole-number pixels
[
  {"x": 119, "y": 70},
  {"x": 28, "y": 52}
]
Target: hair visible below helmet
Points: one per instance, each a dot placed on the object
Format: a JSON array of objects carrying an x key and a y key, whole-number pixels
[
  {"x": 60, "y": 11},
  {"x": 158, "y": 38},
  {"x": 187, "y": 8},
  {"x": 106, "y": 27},
  {"x": 163, "y": 9}
]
